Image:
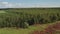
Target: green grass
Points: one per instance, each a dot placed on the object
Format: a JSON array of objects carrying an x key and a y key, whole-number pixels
[
  {"x": 1, "y": 11},
  {"x": 31, "y": 28},
  {"x": 23, "y": 31}
]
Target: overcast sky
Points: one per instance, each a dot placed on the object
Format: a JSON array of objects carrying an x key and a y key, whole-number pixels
[{"x": 29, "y": 3}]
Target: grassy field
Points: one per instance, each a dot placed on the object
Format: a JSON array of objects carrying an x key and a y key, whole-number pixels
[
  {"x": 2, "y": 11},
  {"x": 23, "y": 31},
  {"x": 11, "y": 19}
]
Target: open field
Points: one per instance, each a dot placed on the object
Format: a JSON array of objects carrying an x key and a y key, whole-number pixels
[
  {"x": 23, "y": 31},
  {"x": 50, "y": 29},
  {"x": 27, "y": 20},
  {"x": 2, "y": 11}
]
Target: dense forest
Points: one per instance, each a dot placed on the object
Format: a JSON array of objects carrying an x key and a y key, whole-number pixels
[{"x": 25, "y": 17}]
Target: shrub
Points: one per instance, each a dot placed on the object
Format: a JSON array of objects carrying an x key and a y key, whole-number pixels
[{"x": 24, "y": 25}]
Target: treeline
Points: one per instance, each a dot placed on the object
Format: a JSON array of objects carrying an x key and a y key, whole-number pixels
[{"x": 24, "y": 19}]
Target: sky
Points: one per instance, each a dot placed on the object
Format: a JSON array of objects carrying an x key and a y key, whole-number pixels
[{"x": 28, "y": 3}]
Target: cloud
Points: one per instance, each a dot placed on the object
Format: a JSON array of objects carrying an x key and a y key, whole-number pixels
[
  {"x": 25, "y": 5},
  {"x": 45, "y": 5},
  {"x": 9, "y": 5}
]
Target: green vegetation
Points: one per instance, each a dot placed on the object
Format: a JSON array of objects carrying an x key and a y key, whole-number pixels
[
  {"x": 1, "y": 11},
  {"x": 26, "y": 20},
  {"x": 24, "y": 17},
  {"x": 22, "y": 31}
]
